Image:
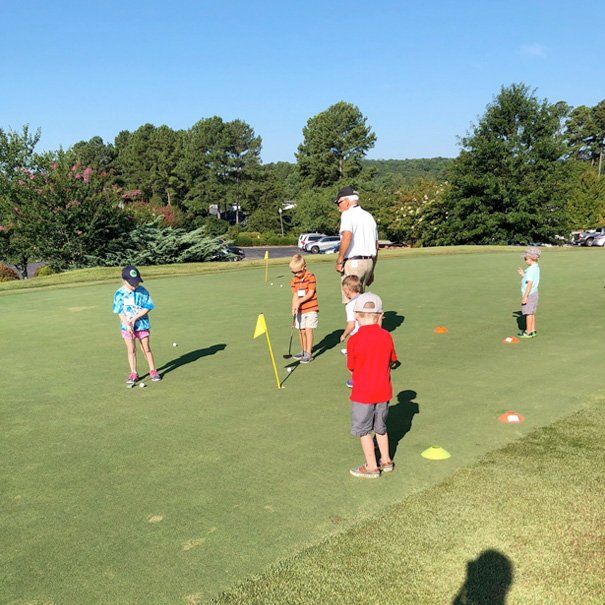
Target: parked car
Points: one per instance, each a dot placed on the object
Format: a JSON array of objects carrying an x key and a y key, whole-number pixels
[
  {"x": 599, "y": 240},
  {"x": 323, "y": 243},
  {"x": 332, "y": 250},
  {"x": 305, "y": 238},
  {"x": 587, "y": 238}
]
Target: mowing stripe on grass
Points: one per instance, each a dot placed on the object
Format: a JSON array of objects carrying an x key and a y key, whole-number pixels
[{"x": 527, "y": 521}]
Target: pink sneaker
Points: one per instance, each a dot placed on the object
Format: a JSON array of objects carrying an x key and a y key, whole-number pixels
[
  {"x": 155, "y": 376},
  {"x": 132, "y": 380}
]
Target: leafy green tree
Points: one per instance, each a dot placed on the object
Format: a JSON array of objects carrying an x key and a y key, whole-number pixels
[
  {"x": 93, "y": 153},
  {"x": 147, "y": 161},
  {"x": 61, "y": 213},
  {"x": 17, "y": 163},
  {"x": 586, "y": 199},
  {"x": 316, "y": 211},
  {"x": 335, "y": 141},
  {"x": 586, "y": 133},
  {"x": 217, "y": 161},
  {"x": 509, "y": 182}
]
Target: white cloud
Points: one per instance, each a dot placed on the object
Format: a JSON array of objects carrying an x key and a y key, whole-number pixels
[{"x": 533, "y": 50}]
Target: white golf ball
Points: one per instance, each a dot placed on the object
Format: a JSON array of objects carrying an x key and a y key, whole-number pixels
[
  {"x": 288, "y": 370},
  {"x": 174, "y": 344},
  {"x": 271, "y": 283},
  {"x": 142, "y": 385}
]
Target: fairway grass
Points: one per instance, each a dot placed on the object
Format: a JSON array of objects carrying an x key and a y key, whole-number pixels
[
  {"x": 526, "y": 522},
  {"x": 183, "y": 489}
]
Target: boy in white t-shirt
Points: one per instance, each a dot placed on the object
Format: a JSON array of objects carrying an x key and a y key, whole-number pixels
[{"x": 351, "y": 287}]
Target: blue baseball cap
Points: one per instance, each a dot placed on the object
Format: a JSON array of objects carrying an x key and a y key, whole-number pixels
[{"x": 132, "y": 275}]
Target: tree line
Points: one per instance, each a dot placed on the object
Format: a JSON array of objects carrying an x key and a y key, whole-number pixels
[{"x": 528, "y": 171}]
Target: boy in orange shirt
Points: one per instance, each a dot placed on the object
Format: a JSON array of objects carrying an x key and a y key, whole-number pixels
[{"x": 305, "y": 309}]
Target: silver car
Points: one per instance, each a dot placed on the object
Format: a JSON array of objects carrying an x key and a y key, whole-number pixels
[{"x": 323, "y": 244}]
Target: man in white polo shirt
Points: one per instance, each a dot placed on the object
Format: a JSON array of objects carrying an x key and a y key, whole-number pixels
[{"x": 358, "y": 239}]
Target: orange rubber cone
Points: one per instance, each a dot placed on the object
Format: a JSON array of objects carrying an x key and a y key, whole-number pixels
[
  {"x": 511, "y": 418},
  {"x": 510, "y": 340},
  {"x": 441, "y": 330}
]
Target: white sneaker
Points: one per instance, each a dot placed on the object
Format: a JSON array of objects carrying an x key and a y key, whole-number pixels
[{"x": 343, "y": 351}]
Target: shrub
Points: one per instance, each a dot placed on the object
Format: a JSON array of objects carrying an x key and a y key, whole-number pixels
[
  {"x": 44, "y": 270},
  {"x": 7, "y": 274},
  {"x": 153, "y": 245}
]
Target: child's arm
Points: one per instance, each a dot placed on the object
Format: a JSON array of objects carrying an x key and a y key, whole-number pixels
[
  {"x": 348, "y": 329},
  {"x": 297, "y": 301},
  {"x": 527, "y": 291},
  {"x": 520, "y": 271},
  {"x": 140, "y": 314},
  {"x": 127, "y": 322},
  {"x": 306, "y": 297}
]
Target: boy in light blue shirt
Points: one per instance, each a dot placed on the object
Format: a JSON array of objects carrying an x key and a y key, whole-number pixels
[
  {"x": 132, "y": 303},
  {"x": 530, "y": 279}
]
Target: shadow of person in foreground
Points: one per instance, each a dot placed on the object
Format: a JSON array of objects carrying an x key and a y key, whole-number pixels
[
  {"x": 329, "y": 341},
  {"x": 399, "y": 420},
  {"x": 488, "y": 579},
  {"x": 190, "y": 358},
  {"x": 391, "y": 321},
  {"x": 520, "y": 320}
]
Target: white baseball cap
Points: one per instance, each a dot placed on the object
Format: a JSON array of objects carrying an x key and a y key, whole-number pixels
[{"x": 368, "y": 303}]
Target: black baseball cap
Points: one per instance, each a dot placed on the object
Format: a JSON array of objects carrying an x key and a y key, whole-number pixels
[
  {"x": 345, "y": 192},
  {"x": 132, "y": 275}
]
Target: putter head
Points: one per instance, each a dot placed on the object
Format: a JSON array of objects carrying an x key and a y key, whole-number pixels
[{"x": 287, "y": 356}]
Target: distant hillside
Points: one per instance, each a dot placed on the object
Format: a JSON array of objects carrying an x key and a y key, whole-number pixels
[{"x": 410, "y": 169}]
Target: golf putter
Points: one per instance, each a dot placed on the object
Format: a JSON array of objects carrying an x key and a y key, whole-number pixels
[{"x": 288, "y": 355}]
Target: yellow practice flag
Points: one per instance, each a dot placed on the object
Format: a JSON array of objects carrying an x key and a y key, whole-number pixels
[
  {"x": 266, "y": 254},
  {"x": 261, "y": 328},
  {"x": 266, "y": 265}
]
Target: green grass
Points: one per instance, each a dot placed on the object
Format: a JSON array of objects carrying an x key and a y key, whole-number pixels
[
  {"x": 526, "y": 522},
  {"x": 187, "y": 487}
]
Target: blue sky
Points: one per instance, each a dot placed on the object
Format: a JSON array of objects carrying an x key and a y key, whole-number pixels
[{"x": 420, "y": 71}]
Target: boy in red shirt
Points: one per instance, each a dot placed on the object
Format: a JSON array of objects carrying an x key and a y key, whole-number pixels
[{"x": 370, "y": 354}]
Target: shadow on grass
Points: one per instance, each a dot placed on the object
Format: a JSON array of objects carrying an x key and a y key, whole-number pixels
[
  {"x": 329, "y": 341},
  {"x": 488, "y": 579},
  {"x": 399, "y": 420},
  {"x": 190, "y": 358},
  {"x": 520, "y": 320},
  {"x": 391, "y": 321}
]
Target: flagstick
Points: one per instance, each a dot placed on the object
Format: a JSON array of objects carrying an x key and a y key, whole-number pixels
[
  {"x": 266, "y": 265},
  {"x": 273, "y": 359}
]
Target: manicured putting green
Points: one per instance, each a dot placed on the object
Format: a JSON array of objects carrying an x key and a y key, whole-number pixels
[{"x": 186, "y": 487}]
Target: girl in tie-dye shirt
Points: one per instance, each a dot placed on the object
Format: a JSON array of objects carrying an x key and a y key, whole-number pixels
[{"x": 132, "y": 302}]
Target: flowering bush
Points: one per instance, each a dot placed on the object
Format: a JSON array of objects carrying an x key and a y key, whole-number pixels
[{"x": 7, "y": 274}]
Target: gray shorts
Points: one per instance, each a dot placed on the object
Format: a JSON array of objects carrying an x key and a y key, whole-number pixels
[
  {"x": 532, "y": 304},
  {"x": 368, "y": 417}
]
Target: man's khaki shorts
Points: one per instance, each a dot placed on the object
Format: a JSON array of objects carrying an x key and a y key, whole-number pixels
[
  {"x": 306, "y": 320},
  {"x": 363, "y": 268}
]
